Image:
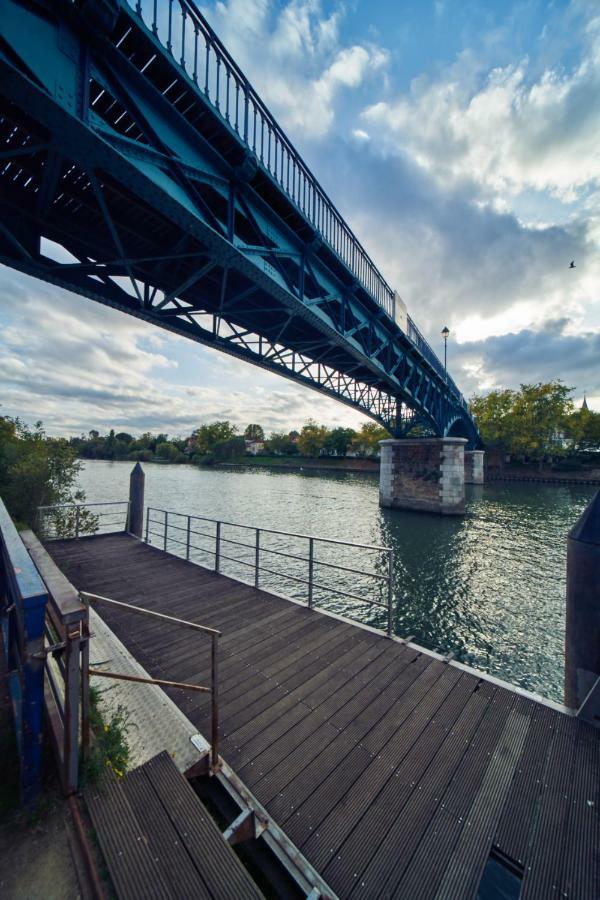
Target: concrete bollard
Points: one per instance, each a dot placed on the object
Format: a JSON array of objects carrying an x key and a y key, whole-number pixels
[
  {"x": 135, "y": 520},
  {"x": 582, "y": 637}
]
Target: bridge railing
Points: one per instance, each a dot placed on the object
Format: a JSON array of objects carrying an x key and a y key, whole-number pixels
[
  {"x": 320, "y": 571},
  {"x": 186, "y": 35},
  {"x": 184, "y": 32}
]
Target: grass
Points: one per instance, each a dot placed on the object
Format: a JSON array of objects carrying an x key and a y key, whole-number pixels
[{"x": 109, "y": 746}]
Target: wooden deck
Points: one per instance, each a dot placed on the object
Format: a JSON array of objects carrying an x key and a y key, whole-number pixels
[
  {"x": 396, "y": 774},
  {"x": 159, "y": 841}
]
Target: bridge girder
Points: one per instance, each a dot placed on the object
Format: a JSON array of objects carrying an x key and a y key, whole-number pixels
[{"x": 179, "y": 224}]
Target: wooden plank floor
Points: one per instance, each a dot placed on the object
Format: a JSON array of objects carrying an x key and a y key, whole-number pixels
[
  {"x": 160, "y": 842},
  {"x": 395, "y": 774}
]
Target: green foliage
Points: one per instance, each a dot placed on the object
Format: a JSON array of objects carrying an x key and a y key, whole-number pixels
[
  {"x": 37, "y": 470},
  {"x": 166, "y": 450},
  {"x": 109, "y": 747},
  {"x": 254, "y": 433},
  {"x": 366, "y": 441},
  {"x": 338, "y": 440},
  {"x": 205, "y": 438},
  {"x": 282, "y": 445},
  {"x": 535, "y": 422},
  {"x": 312, "y": 439}
]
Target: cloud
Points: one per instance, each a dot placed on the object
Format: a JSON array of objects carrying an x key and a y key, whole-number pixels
[
  {"x": 507, "y": 129},
  {"x": 295, "y": 58},
  {"x": 78, "y": 365},
  {"x": 527, "y": 356}
]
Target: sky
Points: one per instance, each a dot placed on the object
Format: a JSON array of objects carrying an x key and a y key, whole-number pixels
[{"x": 461, "y": 142}]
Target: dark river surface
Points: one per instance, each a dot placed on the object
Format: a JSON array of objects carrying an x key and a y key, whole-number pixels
[{"x": 489, "y": 586}]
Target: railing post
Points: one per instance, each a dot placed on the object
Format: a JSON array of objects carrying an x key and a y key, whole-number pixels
[
  {"x": 187, "y": 544},
  {"x": 390, "y": 599},
  {"x": 218, "y": 548},
  {"x": 71, "y": 715},
  {"x": 77, "y": 522},
  {"x": 166, "y": 529},
  {"x": 135, "y": 512},
  {"x": 147, "y": 523},
  {"x": 257, "y": 558},
  {"x": 311, "y": 568},
  {"x": 85, "y": 682},
  {"x": 214, "y": 660}
]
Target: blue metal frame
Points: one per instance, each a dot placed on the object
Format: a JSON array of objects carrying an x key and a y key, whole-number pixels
[
  {"x": 22, "y": 613},
  {"x": 139, "y": 146}
]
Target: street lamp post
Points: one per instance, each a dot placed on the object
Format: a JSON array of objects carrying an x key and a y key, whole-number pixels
[{"x": 445, "y": 333}]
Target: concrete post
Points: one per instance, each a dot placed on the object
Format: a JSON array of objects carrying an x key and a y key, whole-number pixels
[
  {"x": 423, "y": 474},
  {"x": 135, "y": 520},
  {"x": 582, "y": 638},
  {"x": 474, "y": 466}
]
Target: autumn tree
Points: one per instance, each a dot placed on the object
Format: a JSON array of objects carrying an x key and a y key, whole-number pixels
[{"x": 254, "y": 433}]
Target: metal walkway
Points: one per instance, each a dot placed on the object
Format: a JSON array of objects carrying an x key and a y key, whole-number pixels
[
  {"x": 396, "y": 774},
  {"x": 160, "y": 842}
]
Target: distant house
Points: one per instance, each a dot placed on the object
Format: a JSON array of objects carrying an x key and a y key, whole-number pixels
[{"x": 254, "y": 447}]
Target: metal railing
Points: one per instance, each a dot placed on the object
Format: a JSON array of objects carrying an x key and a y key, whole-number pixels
[
  {"x": 308, "y": 559},
  {"x": 63, "y": 656},
  {"x": 213, "y": 690},
  {"x": 186, "y": 35},
  {"x": 72, "y": 520},
  {"x": 183, "y": 31}
]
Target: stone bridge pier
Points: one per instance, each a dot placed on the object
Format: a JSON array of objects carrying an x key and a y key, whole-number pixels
[{"x": 428, "y": 474}]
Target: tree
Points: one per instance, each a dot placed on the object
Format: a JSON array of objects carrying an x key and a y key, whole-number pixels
[
  {"x": 582, "y": 427},
  {"x": 281, "y": 445},
  {"x": 531, "y": 422},
  {"x": 312, "y": 439},
  {"x": 366, "y": 442},
  {"x": 494, "y": 416},
  {"x": 338, "y": 440},
  {"x": 36, "y": 470},
  {"x": 254, "y": 433},
  {"x": 203, "y": 439},
  {"x": 232, "y": 448},
  {"x": 166, "y": 450}
]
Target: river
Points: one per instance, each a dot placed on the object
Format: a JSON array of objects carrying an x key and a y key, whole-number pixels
[{"x": 489, "y": 586}]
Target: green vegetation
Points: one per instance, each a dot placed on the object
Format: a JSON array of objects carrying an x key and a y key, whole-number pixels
[
  {"x": 37, "y": 470},
  {"x": 220, "y": 441},
  {"x": 537, "y": 423},
  {"x": 109, "y": 747}
]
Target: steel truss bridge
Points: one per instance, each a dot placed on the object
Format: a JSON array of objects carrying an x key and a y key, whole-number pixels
[{"x": 139, "y": 168}]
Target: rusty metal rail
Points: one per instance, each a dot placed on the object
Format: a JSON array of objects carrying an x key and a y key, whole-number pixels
[{"x": 213, "y": 690}]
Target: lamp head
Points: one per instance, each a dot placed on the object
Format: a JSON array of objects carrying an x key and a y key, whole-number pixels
[{"x": 445, "y": 331}]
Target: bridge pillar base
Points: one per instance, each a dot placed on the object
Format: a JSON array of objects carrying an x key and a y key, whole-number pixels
[
  {"x": 423, "y": 474},
  {"x": 474, "y": 466}
]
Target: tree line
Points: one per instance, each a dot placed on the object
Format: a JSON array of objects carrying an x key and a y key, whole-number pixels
[
  {"x": 537, "y": 423},
  {"x": 221, "y": 441}
]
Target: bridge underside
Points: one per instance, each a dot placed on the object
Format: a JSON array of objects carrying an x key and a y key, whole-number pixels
[{"x": 121, "y": 182}]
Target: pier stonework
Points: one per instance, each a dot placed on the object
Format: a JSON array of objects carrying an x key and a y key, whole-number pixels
[
  {"x": 474, "y": 466},
  {"x": 423, "y": 474}
]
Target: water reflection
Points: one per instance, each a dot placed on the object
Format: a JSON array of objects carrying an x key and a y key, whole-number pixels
[{"x": 488, "y": 586}]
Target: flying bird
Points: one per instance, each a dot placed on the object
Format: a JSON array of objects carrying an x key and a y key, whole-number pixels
[{"x": 572, "y": 266}]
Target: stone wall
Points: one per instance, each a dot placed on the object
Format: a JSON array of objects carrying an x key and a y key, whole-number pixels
[
  {"x": 424, "y": 474},
  {"x": 474, "y": 466}
]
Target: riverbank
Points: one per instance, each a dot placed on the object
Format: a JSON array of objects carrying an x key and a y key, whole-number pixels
[{"x": 301, "y": 464}]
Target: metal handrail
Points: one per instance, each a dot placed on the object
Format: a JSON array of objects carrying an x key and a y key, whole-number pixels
[
  {"x": 77, "y": 508},
  {"x": 167, "y": 540},
  {"x": 213, "y": 690},
  {"x": 243, "y": 111}
]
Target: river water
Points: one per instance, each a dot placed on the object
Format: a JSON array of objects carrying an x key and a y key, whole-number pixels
[{"x": 489, "y": 586}]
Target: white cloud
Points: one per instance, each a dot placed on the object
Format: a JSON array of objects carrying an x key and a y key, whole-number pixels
[
  {"x": 507, "y": 130},
  {"x": 295, "y": 59}
]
